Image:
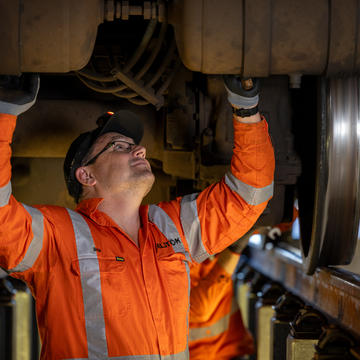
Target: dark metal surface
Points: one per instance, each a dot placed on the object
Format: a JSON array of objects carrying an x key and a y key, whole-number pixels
[
  {"x": 262, "y": 37},
  {"x": 9, "y": 36},
  {"x": 142, "y": 76},
  {"x": 334, "y": 344},
  {"x": 307, "y": 324},
  {"x": 49, "y": 127},
  {"x": 264, "y": 310},
  {"x": 305, "y": 331},
  {"x": 335, "y": 293},
  {"x": 336, "y": 208},
  {"x": 47, "y": 36},
  {"x": 122, "y": 9},
  {"x": 254, "y": 37},
  {"x": 285, "y": 308}
]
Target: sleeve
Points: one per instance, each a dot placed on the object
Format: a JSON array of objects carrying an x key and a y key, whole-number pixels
[
  {"x": 216, "y": 217},
  {"x": 207, "y": 294},
  {"x": 287, "y": 226},
  {"x": 22, "y": 227}
]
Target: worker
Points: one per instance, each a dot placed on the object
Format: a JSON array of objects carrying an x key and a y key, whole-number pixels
[
  {"x": 216, "y": 327},
  {"x": 111, "y": 279},
  {"x": 217, "y": 331}
]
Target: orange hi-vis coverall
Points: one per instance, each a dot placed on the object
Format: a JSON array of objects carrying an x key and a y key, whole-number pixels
[
  {"x": 217, "y": 331},
  {"x": 98, "y": 295}
]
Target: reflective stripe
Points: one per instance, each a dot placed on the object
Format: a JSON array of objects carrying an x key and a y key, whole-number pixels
[
  {"x": 164, "y": 223},
  {"x": 91, "y": 288},
  {"x": 191, "y": 226},
  {"x": 33, "y": 251},
  {"x": 188, "y": 309},
  {"x": 5, "y": 193},
  {"x": 215, "y": 329},
  {"x": 252, "y": 195},
  {"x": 184, "y": 355}
]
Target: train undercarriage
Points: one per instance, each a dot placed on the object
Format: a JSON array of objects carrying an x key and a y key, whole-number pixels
[{"x": 165, "y": 60}]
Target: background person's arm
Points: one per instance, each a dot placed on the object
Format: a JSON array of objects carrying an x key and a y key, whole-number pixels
[{"x": 209, "y": 291}]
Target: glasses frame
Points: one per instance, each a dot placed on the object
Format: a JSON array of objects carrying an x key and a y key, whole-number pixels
[{"x": 108, "y": 146}]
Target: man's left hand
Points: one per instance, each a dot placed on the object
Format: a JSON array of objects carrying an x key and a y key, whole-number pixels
[{"x": 18, "y": 93}]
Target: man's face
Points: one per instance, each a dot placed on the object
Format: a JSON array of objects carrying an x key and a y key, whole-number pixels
[{"x": 117, "y": 168}]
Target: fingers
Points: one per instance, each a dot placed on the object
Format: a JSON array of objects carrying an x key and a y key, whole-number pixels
[
  {"x": 34, "y": 84},
  {"x": 18, "y": 93},
  {"x": 242, "y": 93}
]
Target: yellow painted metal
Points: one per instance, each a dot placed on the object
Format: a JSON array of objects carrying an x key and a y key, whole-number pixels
[
  {"x": 300, "y": 349},
  {"x": 263, "y": 323},
  {"x": 242, "y": 295},
  {"x": 23, "y": 325}
]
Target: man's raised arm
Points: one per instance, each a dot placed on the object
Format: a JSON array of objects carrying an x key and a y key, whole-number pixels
[
  {"x": 17, "y": 94},
  {"x": 222, "y": 213}
]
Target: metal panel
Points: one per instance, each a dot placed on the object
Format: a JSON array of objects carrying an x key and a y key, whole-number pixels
[
  {"x": 335, "y": 292},
  {"x": 47, "y": 36},
  {"x": 9, "y": 36},
  {"x": 263, "y": 37}
]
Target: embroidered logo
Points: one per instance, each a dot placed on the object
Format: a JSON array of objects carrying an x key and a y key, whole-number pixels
[{"x": 119, "y": 258}]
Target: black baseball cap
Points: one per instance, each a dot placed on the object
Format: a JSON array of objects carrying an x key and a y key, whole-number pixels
[{"x": 124, "y": 122}]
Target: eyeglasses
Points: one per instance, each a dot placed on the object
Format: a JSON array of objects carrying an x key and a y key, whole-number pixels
[{"x": 117, "y": 145}]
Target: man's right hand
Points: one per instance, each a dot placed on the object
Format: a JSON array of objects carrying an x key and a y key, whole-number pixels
[
  {"x": 239, "y": 96},
  {"x": 18, "y": 93}
]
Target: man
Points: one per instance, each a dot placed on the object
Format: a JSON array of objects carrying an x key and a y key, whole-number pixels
[
  {"x": 217, "y": 331},
  {"x": 111, "y": 279}
]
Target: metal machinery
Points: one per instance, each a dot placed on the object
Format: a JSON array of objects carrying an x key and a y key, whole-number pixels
[
  {"x": 165, "y": 61},
  {"x": 19, "y": 337}
]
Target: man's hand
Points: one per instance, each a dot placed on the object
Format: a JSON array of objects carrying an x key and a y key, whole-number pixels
[
  {"x": 18, "y": 93},
  {"x": 243, "y": 95}
]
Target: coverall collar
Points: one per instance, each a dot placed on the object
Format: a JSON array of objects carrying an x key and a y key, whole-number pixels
[{"x": 89, "y": 208}]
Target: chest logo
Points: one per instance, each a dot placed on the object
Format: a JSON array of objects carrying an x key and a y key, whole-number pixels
[{"x": 168, "y": 243}]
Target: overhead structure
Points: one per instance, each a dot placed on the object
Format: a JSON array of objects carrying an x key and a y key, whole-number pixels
[
  {"x": 267, "y": 37},
  {"x": 155, "y": 58},
  {"x": 253, "y": 37}
]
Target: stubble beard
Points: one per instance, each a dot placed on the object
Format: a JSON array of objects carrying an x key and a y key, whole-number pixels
[{"x": 142, "y": 180}]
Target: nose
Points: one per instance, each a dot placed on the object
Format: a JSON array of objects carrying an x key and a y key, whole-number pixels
[{"x": 139, "y": 151}]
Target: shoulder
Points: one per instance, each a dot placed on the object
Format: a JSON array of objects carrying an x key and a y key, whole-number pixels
[{"x": 54, "y": 214}]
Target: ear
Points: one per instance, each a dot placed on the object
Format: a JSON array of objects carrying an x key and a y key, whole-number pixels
[{"x": 84, "y": 176}]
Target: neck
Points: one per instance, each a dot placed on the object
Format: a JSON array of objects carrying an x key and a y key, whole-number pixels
[{"x": 124, "y": 211}]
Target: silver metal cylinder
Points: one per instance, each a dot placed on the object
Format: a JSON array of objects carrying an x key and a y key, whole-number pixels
[{"x": 336, "y": 210}]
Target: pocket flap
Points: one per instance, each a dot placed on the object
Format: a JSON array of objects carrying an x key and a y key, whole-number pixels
[{"x": 93, "y": 264}]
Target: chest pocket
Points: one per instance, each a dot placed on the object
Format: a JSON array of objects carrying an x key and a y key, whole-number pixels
[
  {"x": 174, "y": 271},
  {"x": 111, "y": 275}
]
